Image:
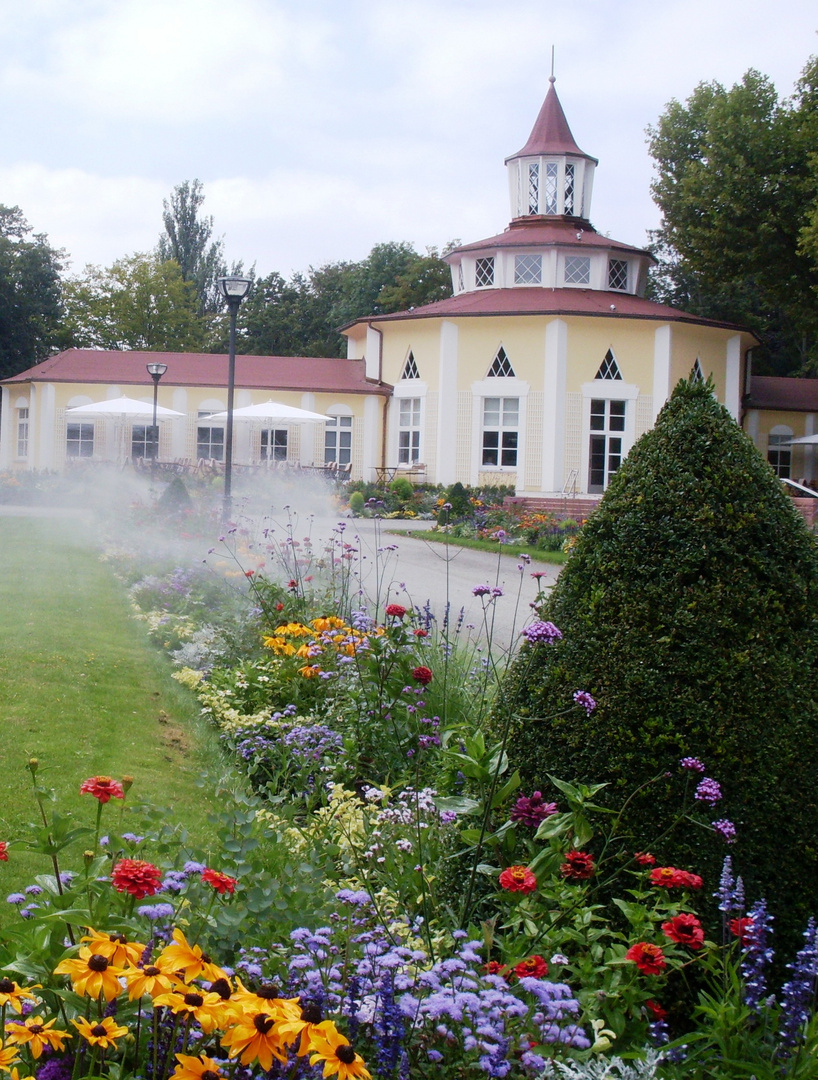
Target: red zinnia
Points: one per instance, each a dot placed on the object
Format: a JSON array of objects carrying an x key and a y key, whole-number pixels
[
  {"x": 4, "y": 851},
  {"x": 686, "y": 930},
  {"x": 423, "y": 675},
  {"x": 398, "y": 610},
  {"x": 102, "y": 788},
  {"x": 494, "y": 967},
  {"x": 420, "y": 633},
  {"x": 533, "y": 967},
  {"x": 644, "y": 858},
  {"x": 578, "y": 866},
  {"x": 648, "y": 958},
  {"x": 671, "y": 878},
  {"x": 222, "y": 883},
  {"x": 656, "y": 1010},
  {"x": 742, "y": 928},
  {"x": 137, "y": 877},
  {"x": 518, "y": 879}
]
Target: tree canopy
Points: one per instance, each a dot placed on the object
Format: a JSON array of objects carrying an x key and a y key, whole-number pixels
[
  {"x": 187, "y": 240},
  {"x": 737, "y": 184},
  {"x": 30, "y": 294}
]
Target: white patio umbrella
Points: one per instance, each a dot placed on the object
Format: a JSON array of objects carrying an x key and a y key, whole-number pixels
[
  {"x": 124, "y": 409},
  {"x": 805, "y": 440},
  {"x": 274, "y": 410}
]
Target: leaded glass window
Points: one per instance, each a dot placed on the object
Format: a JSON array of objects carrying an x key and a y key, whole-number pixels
[
  {"x": 484, "y": 272},
  {"x": 527, "y": 269},
  {"x": 618, "y": 274},
  {"x": 501, "y": 366},
  {"x": 533, "y": 187},
  {"x": 577, "y": 270},
  {"x": 569, "y": 189},
  {"x": 410, "y": 368},
  {"x": 551, "y": 176},
  {"x": 697, "y": 375},
  {"x": 609, "y": 369}
]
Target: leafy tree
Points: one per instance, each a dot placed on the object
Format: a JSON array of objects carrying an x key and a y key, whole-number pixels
[
  {"x": 301, "y": 317},
  {"x": 140, "y": 302},
  {"x": 735, "y": 185},
  {"x": 187, "y": 240},
  {"x": 688, "y": 610},
  {"x": 30, "y": 294}
]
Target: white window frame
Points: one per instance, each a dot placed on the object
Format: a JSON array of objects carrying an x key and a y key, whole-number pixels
[
  {"x": 524, "y": 263},
  {"x": 86, "y": 438},
  {"x": 502, "y": 388},
  {"x": 576, "y": 284},
  {"x": 408, "y": 389},
  {"x": 23, "y": 430},
  {"x": 777, "y": 435},
  {"x": 610, "y": 390},
  {"x": 203, "y": 424},
  {"x": 271, "y": 436},
  {"x": 485, "y": 259}
]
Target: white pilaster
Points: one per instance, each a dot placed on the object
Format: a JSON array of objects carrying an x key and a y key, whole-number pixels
[
  {"x": 372, "y": 354},
  {"x": 178, "y": 424},
  {"x": 47, "y": 421},
  {"x": 662, "y": 345},
  {"x": 373, "y": 423},
  {"x": 732, "y": 377},
  {"x": 447, "y": 404},
  {"x": 556, "y": 364}
]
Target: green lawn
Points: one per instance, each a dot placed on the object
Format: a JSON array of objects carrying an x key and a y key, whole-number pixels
[{"x": 83, "y": 690}]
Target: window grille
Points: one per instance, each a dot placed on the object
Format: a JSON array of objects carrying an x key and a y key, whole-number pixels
[
  {"x": 609, "y": 369},
  {"x": 577, "y": 270},
  {"x": 533, "y": 187},
  {"x": 528, "y": 269},
  {"x": 484, "y": 272},
  {"x": 501, "y": 366},
  {"x": 551, "y": 175},
  {"x": 696, "y": 374},
  {"x": 410, "y": 368},
  {"x": 338, "y": 440},
  {"x": 569, "y": 189},
  {"x": 618, "y": 274},
  {"x": 501, "y": 419}
]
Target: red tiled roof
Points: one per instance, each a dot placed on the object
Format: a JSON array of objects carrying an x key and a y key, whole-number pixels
[
  {"x": 550, "y": 134},
  {"x": 300, "y": 373},
  {"x": 539, "y": 301},
  {"x": 776, "y": 392},
  {"x": 540, "y": 231}
]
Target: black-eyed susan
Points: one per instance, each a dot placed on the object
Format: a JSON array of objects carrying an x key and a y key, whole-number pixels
[
  {"x": 187, "y": 959},
  {"x": 37, "y": 1034},
  {"x": 92, "y": 974},
  {"x": 148, "y": 980},
  {"x": 12, "y": 994},
  {"x": 8, "y": 1056},
  {"x": 265, "y": 999},
  {"x": 196, "y": 1068},
  {"x": 115, "y": 947},
  {"x": 256, "y": 1038},
  {"x": 208, "y": 1010},
  {"x": 101, "y": 1033},
  {"x": 330, "y": 1047},
  {"x": 303, "y": 1026}
]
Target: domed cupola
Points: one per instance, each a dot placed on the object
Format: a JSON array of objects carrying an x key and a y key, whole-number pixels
[{"x": 551, "y": 177}]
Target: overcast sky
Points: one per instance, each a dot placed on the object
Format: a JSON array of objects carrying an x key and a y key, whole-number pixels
[{"x": 322, "y": 127}]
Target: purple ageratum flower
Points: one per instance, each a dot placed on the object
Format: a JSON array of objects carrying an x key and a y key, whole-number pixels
[
  {"x": 541, "y": 633},
  {"x": 15, "y": 898},
  {"x": 692, "y": 764},
  {"x": 532, "y": 809},
  {"x": 585, "y": 701},
  {"x": 726, "y": 830},
  {"x": 155, "y": 912},
  {"x": 708, "y": 791}
]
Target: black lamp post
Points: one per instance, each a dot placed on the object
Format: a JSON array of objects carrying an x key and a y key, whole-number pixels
[
  {"x": 156, "y": 371},
  {"x": 233, "y": 289}
]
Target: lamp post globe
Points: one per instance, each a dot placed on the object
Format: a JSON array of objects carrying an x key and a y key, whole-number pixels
[
  {"x": 156, "y": 371},
  {"x": 233, "y": 288}
]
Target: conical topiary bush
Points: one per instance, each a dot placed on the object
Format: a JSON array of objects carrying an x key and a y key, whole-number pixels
[{"x": 689, "y": 609}]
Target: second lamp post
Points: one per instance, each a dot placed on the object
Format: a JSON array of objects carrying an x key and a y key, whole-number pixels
[{"x": 233, "y": 289}]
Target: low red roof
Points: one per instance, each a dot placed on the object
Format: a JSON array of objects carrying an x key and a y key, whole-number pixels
[
  {"x": 299, "y": 373},
  {"x": 776, "y": 392},
  {"x": 538, "y": 231},
  {"x": 533, "y": 300}
]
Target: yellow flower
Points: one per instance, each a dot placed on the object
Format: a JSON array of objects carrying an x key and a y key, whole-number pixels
[
  {"x": 303, "y": 1025},
  {"x": 196, "y": 1068},
  {"x": 189, "y": 959},
  {"x": 256, "y": 1038},
  {"x": 15, "y": 1075},
  {"x": 115, "y": 947},
  {"x": 148, "y": 980},
  {"x": 189, "y": 1001},
  {"x": 309, "y": 671},
  {"x": 37, "y": 1034},
  {"x": 265, "y": 999},
  {"x": 12, "y": 994},
  {"x": 8, "y": 1055},
  {"x": 330, "y": 1046},
  {"x": 103, "y": 1033},
  {"x": 92, "y": 974}
]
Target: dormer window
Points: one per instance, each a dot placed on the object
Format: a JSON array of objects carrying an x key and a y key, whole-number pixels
[
  {"x": 618, "y": 274},
  {"x": 484, "y": 272},
  {"x": 577, "y": 270},
  {"x": 528, "y": 269}
]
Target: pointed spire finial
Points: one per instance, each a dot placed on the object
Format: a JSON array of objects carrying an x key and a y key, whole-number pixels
[{"x": 552, "y": 78}]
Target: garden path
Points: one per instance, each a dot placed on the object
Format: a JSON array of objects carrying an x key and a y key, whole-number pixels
[{"x": 418, "y": 571}]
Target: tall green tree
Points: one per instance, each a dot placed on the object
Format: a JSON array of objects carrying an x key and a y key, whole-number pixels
[
  {"x": 30, "y": 294},
  {"x": 736, "y": 186},
  {"x": 188, "y": 240},
  {"x": 139, "y": 302}
]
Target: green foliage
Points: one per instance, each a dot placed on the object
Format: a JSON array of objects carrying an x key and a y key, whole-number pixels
[
  {"x": 737, "y": 178},
  {"x": 139, "y": 302},
  {"x": 688, "y": 610},
  {"x": 30, "y": 301},
  {"x": 187, "y": 241},
  {"x": 356, "y": 502},
  {"x": 403, "y": 488}
]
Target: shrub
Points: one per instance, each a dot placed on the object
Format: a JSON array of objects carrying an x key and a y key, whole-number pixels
[
  {"x": 356, "y": 502},
  {"x": 688, "y": 609},
  {"x": 402, "y": 488}
]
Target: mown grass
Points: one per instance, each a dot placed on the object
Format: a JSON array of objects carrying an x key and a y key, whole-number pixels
[
  {"x": 491, "y": 546},
  {"x": 83, "y": 690}
]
